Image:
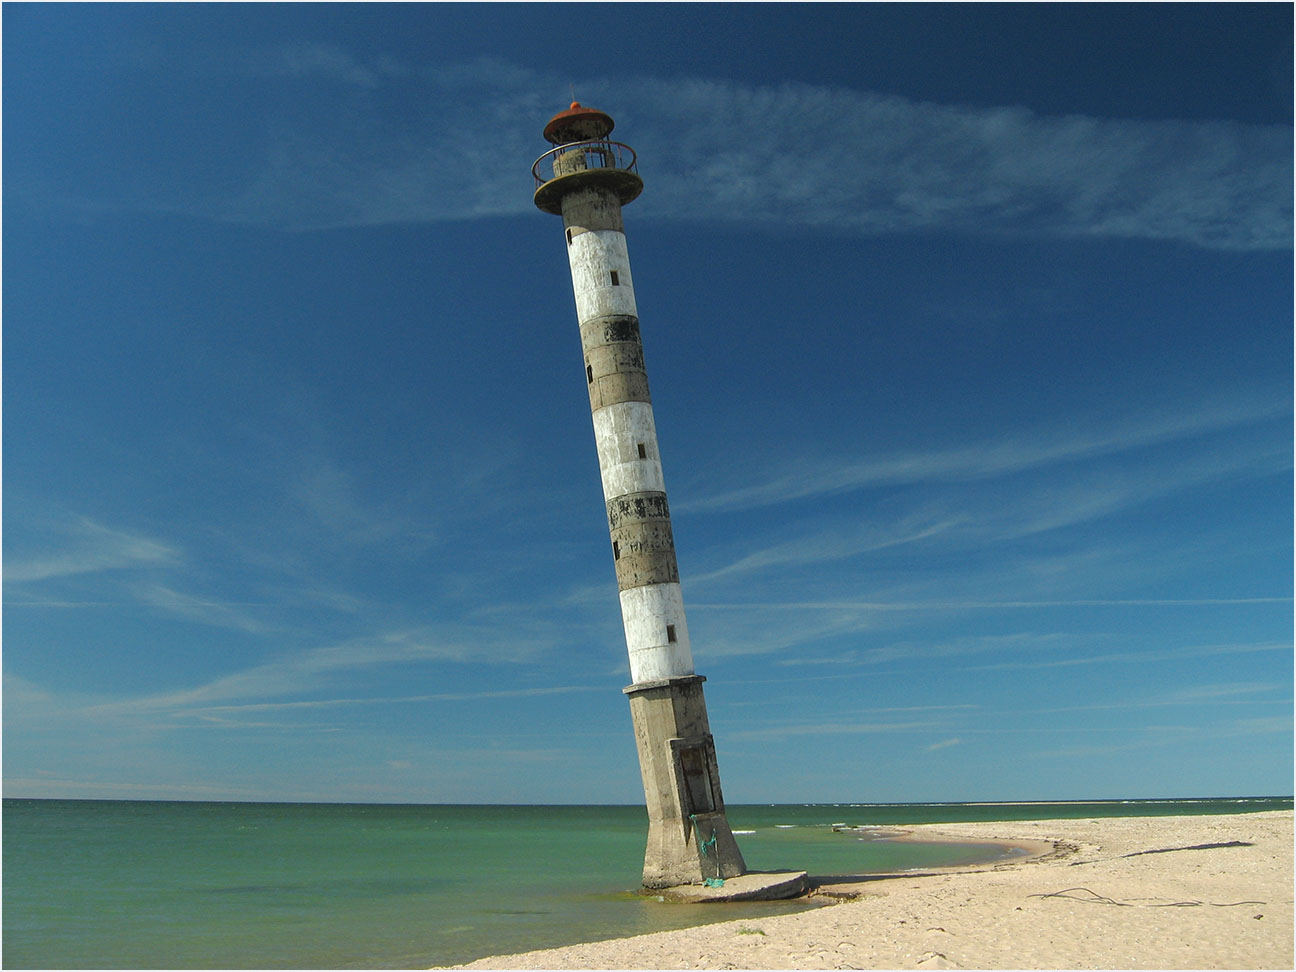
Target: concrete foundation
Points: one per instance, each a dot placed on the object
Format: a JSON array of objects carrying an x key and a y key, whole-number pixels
[
  {"x": 689, "y": 839},
  {"x": 752, "y": 886}
]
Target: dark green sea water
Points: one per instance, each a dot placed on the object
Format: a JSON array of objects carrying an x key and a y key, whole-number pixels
[{"x": 124, "y": 884}]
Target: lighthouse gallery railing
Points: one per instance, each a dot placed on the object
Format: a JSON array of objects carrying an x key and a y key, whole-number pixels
[{"x": 582, "y": 156}]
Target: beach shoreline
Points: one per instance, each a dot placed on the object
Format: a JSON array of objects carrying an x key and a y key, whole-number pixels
[{"x": 1183, "y": 892}]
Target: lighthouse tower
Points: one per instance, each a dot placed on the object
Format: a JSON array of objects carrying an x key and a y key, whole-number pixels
[{"x": 586, "y": 179}]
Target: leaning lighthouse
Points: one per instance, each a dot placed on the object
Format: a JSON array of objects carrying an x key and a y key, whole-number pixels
[{"x": 586, "y": 179}]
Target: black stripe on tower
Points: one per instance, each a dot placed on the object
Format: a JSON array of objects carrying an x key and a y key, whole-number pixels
[
  {"x": 643, "y": 545},
  {"x": 649, "y": 504},
  {"x": 614, "y": 362}
]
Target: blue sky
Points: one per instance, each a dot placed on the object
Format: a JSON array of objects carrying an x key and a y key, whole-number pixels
[{"x": 969, "y": 334}]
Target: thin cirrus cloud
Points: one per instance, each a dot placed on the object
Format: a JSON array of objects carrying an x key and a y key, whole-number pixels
[
  {"x": 1009, "y": 456},
  {"x": 773, "y": 733},
  {"x": 205, "y": 610},
  {"x": 881, "y": 163},
  {"x": 1011, "y": 510},
  {"x": 842, "y": 541},
  {"x": 717, "y": 150},
  {"x": 1174, "y": 654},
  {"x": 944, "y": 744},
  {"x": 85, "y": 546},
  {"x": 434, "y": 697},
  {"x": 303, "y": 670},
  {"x": 1166, "y": 735}
]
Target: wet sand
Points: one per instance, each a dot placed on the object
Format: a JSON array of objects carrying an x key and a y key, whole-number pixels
[{"x": 1199, "y": 892}]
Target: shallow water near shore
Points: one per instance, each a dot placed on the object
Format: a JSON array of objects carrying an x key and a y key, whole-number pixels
[{"x": 125, "y": 884}]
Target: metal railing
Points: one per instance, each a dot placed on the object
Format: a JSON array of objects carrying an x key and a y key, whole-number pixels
[{"x": 583, "y": 156}]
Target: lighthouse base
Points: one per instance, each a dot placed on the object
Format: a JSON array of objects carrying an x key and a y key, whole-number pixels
[
  {"x": 752, "y": 886},
  {"x": 689, "y": 839}
]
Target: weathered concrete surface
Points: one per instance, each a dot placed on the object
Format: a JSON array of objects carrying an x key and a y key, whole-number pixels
[
  {"x": 689, "y": 838},
  {"x": 752, "y": 886}
]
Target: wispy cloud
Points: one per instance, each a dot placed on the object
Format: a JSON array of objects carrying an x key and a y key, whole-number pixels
[
  {"x": 1195, "y": 694},
  {"x": 971, "y": 500},
  {"x": 176, "y": 712},
  {"x": 201, "y": 609},
  {"x": 905, "y": 651},
  {"x": 289, "y": 685},
  {"x": 832, "y": 729},
  {"x": 312, "y": 60},
  {"x": 1222, "y": 694},
  {"x": 944, "y": 744},
  {"x": 53, "y": 788},
  {"x": 1008, "y": 456},
  {"x": 327, "y": 494},
  {"x": 839, "y": 542},
  {"x": 938, "y": 604},
  {"x": 1156, "y": 736},
  {"x": 716, "y": 150},
  {"x": 880, "y": 163},
  {"x": 85, "y": 546},
  {"x": 296, "y": 673},
  {"x": 404, "y": 699},
  {"x": 942, "y": 550},
  {"x": 1181, "y": 653}
]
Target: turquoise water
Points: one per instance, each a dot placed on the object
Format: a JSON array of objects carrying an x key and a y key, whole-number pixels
[{"x": 123, "y": 884}]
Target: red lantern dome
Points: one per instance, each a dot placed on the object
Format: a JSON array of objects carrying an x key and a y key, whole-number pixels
[{"x": 578, "y": 124}]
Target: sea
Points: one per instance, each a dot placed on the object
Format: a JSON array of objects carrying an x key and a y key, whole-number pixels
[{"x": 140, "y": 885}]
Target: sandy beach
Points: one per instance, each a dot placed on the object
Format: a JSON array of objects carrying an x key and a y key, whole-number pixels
[{"x": 1199, "y": 892}]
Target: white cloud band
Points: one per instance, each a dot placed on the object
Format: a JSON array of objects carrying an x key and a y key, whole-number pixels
[{"x": 332, "y": 152}]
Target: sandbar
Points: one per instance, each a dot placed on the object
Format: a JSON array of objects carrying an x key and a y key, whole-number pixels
[{"x": 1185, "y": 892}]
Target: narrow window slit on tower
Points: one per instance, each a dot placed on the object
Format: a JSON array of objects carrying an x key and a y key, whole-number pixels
[
  {"x": 569, "y": 237},
  {"x": 589, "y": 373},
  {"x": 616, "y": 550},
  {"x": 616, "y": 279},
  {"x": 670, "y": 633},
  {"x": 643, "y": 453}
]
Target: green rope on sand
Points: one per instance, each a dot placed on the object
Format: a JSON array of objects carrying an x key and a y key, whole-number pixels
[{"x": 714, "y": 882}]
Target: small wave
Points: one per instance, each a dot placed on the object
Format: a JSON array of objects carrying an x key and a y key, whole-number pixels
[
  {"x": 786, "y": 826},
  {"x": 744, "y": 831}
]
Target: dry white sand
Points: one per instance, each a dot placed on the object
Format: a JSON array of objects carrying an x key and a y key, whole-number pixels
[{"x": 1130, "y": 892}]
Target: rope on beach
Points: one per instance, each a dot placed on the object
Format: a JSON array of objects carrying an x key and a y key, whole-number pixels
[
  {"x": 1169, "y": 850},
  {"x": 1234, "y": 904},
  {"x": 1166, "y": 850},
  {"x": 1096, "y": 898}
]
